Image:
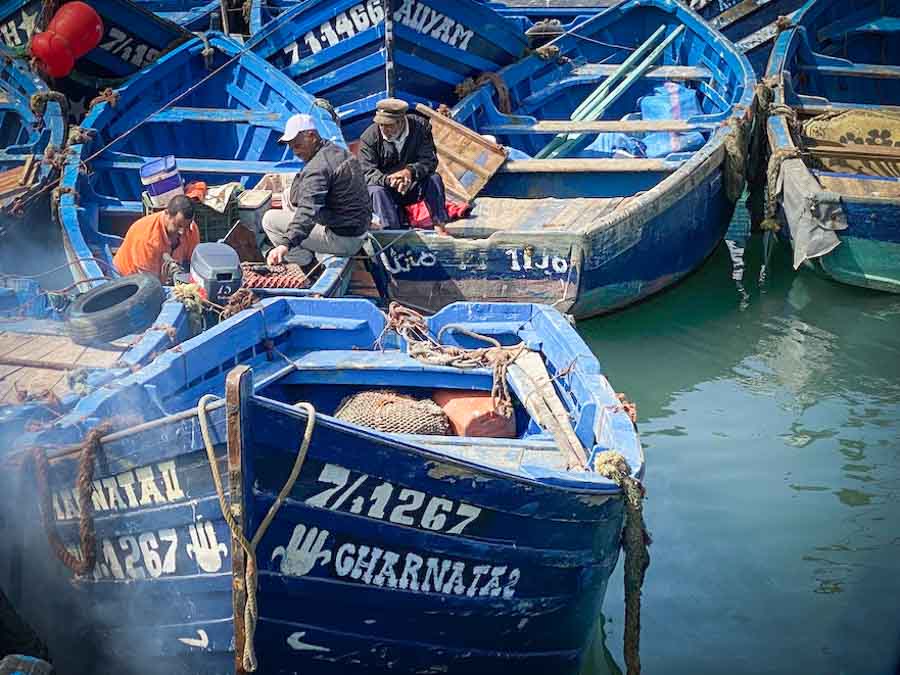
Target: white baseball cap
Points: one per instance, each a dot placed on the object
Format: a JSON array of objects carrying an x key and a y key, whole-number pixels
[{"x": 295, "y": 125}]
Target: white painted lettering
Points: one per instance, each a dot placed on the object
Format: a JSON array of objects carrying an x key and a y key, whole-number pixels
[
  {"x": 98, "y": 499},
  {"x": 126, "y": 482},
  {"x": 387, "y": 571},
  {"x": 174, "y": 492},
  {"x": 455, "y": 584},
  {"x": 409, "y": 578},
  {"x": 70, "y": 510},
  {"x": 343, "y": 561},
  {"x": 150, "y": 493},
  {"x": 432, "y": 579},
  {"x": 479, "y": 571},
  {"x": 509, "y": 590}
]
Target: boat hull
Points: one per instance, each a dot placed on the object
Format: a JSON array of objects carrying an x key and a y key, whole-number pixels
[
  {"x": 389, "y": 553},
  {"x": 354, "y": 53},
  {"x": 584, "y": 275},
  {"x": 851, "y": 235}
]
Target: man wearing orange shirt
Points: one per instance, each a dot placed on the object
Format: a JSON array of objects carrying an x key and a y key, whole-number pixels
[{"x": 160, "y": 242}]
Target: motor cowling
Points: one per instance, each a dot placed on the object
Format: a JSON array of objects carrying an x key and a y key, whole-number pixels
[{"x": 74, "y": 31}]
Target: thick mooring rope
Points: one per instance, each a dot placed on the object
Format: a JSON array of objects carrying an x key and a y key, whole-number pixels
[
  {"x": 411, "y": 326},
  {"x": 635, "y": 541},
  {"x": 251, "y": 608},
  {"x": 84, "y": 484}
]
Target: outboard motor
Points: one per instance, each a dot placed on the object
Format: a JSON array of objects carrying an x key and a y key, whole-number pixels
[{"x": 216, "y": 269}]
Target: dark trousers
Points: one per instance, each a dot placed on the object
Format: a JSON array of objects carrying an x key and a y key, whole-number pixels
[{"x": 388, "y": 204}]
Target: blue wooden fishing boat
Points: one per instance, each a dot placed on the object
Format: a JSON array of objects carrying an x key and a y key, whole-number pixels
[
  {"x": 353, "y": 53},
  {"x": 835, "y": 164},
  {"x": 383, "y": 540},
  {"x": 219, "y": 112},
  {"x": 132, "y": 38},
  {"x": 751, "y": 24},
  {"x": 612, "y": 213},
  {"x": 32, "y": 130},
  {"x": 35, "y": 279}
]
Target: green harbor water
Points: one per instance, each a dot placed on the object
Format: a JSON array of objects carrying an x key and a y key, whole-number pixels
[{"x": 770, "y": 419}]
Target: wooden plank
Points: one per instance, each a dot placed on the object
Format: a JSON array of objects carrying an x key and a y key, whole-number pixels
[
  {"x": 737, "y": 12},
  {"x": 813, "y": 108},
  {"x": 179, "y": 114},
  {"x": 596, "y": 126},
  {"x": 534, "y": 386},
  {"x": 121, "y": 161},
  {"x": 238, "y": 390},
  {"x": 869, "y": 70},
  {"x": 575, "y": 165},
  {"x": 676, "y": 73},
  {"x": 462, "y": 151},
  {"x": 447, "y": 152},
  {"x": 860, "y": 151},
  {"x": 859, "y": 187}
]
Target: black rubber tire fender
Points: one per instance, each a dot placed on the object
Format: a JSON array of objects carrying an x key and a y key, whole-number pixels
[{"x": 123, "y": 306}]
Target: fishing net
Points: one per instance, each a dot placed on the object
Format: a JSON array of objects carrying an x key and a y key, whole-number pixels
[{"x": 394, "y": 413}]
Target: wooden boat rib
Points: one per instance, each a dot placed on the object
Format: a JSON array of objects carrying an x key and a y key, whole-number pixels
[
  {"x": 585, "y": 232},
  {"x": 221, "y": 119},
  {"x": 839, "y": 70},
  {"x": 495, "y": 529}
]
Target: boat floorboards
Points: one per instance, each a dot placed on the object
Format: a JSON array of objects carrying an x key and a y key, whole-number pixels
[
  {"x": 50, "y": 349},
  {"x": 362, "y": 283},
  {"x": 505, "y": 213}
]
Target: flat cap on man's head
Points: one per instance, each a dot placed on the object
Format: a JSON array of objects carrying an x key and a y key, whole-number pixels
[
  {"x": 390, "y": 110},
  {"x": 295, "y": 125}
]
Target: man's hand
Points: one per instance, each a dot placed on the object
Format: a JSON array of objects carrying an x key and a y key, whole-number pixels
[
  {"x": 400, "y": 180},
  {"x": 276, "y": 255},
  {"x": 169, "y": 269}
]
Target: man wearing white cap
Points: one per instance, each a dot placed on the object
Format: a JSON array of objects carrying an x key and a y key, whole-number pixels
[{"x": 328, "y": 211}]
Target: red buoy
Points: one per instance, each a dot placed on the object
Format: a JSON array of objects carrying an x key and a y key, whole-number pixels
[{"x": 74, "y": 31}]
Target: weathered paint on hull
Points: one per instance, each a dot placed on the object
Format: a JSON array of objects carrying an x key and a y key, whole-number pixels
[
  {"x": 390, "y": 554},
  {"x": 865, "y": 263},
  {"x": 584, "y": 275}
]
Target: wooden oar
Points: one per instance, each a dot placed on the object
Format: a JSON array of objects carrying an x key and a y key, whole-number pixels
[
  {"x": 616, "y": 93},
  {"x": 534, "y": 386}
]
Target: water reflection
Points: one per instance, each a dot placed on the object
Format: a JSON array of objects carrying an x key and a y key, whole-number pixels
[{"x": 769, "y": 414}]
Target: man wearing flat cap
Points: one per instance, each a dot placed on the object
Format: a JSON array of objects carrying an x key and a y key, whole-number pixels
[
  {"x": 399, "y": 160},
  {"x": 328, "y": 209}
]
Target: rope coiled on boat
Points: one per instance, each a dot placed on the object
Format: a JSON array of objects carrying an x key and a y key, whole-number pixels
[
  {"x": 411, "y": 326},
  {"x": 468, "y": 85},
  {"x": 251, "y": 608},
  {"x": 636, "y": 542},
  {"x": 84, "y": 564}
]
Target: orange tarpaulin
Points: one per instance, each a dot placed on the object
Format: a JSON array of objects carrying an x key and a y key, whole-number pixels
[{"x": 147, "y": 241}]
